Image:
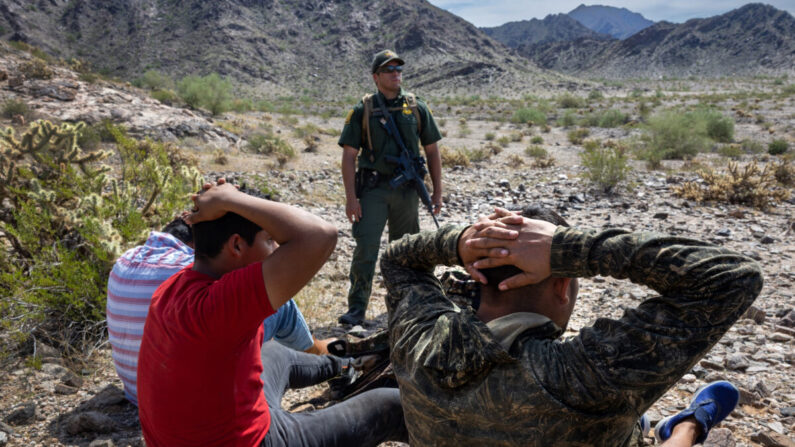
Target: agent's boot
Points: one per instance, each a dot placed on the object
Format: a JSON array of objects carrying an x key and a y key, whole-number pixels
[{"x": 352, "y": 317}]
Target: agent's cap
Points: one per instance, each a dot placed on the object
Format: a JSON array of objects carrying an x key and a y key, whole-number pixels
[{"x": 384, "y": 57}]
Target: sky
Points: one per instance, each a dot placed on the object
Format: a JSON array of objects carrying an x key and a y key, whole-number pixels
[{"x": 497, "y": 12}]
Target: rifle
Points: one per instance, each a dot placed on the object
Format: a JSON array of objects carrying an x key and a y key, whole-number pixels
[{"x": 410, "y": 168}]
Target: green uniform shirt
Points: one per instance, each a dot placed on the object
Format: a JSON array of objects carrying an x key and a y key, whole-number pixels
[
  {"x": 382, "y": 142},
  {"x": 460, "y": 387}
]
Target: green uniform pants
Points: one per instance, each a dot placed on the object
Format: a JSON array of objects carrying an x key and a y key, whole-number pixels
[{"x": 379, "y": 205}]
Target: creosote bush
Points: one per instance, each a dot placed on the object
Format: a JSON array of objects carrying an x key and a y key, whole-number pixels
[
  {"x": 167, "y": 97},
  {"x": 155, "y": 80},
  {"x": 576, "y": 136},
  {"x": 529, "y": 116},
  {"x": 14, "y": 107},
  {"x": 569, "y": 101},
  {"x": 606, "y": 165},
  {"x": 670, "y": 135},
  {"x": 535, "y": 151},
  {"x": 777, "y": 147},
  {"x": 751, "y": 185},
  {"x": 64, "y": 218},
  {"x": 211, "y": 92},
  {"x": 270, "y": 144}
]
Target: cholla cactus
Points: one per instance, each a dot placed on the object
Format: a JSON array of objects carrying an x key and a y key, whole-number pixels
[{"x": 47, "y": 169}]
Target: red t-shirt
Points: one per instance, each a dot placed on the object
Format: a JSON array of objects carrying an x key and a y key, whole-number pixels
[{"x": 199, "y": 366}]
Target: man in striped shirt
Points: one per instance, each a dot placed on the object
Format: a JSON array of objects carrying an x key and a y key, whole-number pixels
[{"x": 138, "y": 273}]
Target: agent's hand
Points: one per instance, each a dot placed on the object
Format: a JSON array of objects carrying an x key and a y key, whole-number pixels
[
  {"x": 529, "y": 247},
  {"x": 353, "y": 210},
  {"x": 436, "y": 202},
  {"x": 212, "y": 202}
]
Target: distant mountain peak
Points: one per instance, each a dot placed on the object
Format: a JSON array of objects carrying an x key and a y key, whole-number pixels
[
  {"x": 617, "y": 22},
  {"x": 553, "y": 28}
]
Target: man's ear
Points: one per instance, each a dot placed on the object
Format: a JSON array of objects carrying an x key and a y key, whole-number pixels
[
  {"x": 235, "y": 246},
  {"x": 560, "y": 286}
]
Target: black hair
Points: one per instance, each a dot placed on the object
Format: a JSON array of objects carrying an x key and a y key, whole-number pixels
[
  {"x": 180, "y": 230},
  {"x": 496, "y": 275},
  {"x": 210, "y": 236}
]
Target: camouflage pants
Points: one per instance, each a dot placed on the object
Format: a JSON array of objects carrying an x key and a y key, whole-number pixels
[{"x": 379, "y": 205}]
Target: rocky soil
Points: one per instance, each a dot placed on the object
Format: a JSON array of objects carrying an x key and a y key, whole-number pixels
[{"x": 62, "y": 402}]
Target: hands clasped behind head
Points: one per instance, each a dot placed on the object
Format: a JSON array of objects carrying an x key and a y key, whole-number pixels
[
  {"x": 505, "y": 238},
  {"x": 209, "y": 203}
]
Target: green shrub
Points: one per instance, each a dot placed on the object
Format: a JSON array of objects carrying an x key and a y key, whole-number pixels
[
  {"x": 671, "y": 135},
  {"x": 777, "y": 147},
  {"x": 88, "y": 77},
  {"x": 270, "y": 144},
  {"x": 154, "y": 80},
  {"x": 789, "y": 90},
  {"x": 242, "y": 105},
  {"x": 607, "y": 118},
  {"x": 730, "y": 150},
  {"x": 612, "y": 118},
  {"x": 14, "y": 107},
  {"x": 720, "y": 128},
  {"x": 538, "y": 139},
  {"x": 569, "y": 101},
  {"x": 529, "y": 116},
  {"x": 752, "y": 147},
  {"x": 595, "y": 95},
  {"x": 605, "y": 165},
  {"x": 211, "y": 92},
  {"x": 65, "y": 220},
  {"x": 490, "y": 136},
  {"x": 567, "y": 120},
  {"x": 535, "y": 151},
  {"x": 503, "y": 141},
  {"x": 306, "y": 130},
  {"x": 167, "y": 97},
  {"x": 576, "y": 136}
]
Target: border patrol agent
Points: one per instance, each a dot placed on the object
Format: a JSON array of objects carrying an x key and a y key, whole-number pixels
[{"x": 370, "y": 201}]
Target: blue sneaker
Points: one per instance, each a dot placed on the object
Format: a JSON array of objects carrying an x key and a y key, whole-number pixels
[
  {"x": 645, "y": 425},
  {"x": 710, "y": 405}
]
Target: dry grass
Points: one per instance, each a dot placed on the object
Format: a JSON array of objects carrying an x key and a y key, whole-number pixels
[{"x": 751, "y": 185}]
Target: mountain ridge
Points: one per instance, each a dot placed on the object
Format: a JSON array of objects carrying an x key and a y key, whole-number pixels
[
  {"x": 754, "y": 39},
  {"x": 275, "y": 46},
  {"x": 552, "y": 28},
  {"x": 617, "y": 22}
]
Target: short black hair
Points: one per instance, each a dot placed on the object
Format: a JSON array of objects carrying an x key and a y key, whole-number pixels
[
  {"x": 496, "y": 275},
  {"x": 210, "y": 236},
  {"x": 180, "y": 230}
]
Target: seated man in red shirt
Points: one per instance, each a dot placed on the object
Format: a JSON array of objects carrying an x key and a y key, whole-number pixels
[{"x": 200, "y": 370}]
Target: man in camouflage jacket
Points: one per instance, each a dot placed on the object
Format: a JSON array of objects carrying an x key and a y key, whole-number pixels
[{"x": 481, "y": 378}]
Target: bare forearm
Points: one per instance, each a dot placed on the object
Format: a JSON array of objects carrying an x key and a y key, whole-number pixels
[
  {"x": 349, "y": 172},
  {"x": 434, "y": 166}
]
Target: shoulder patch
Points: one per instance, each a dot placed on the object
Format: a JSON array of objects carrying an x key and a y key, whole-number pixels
[
  {"x": 430, "y": 112},
  {"x": 348, "y": 117}
]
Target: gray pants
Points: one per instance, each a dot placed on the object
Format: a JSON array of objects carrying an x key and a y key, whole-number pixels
[{"x": 365, "y": 420}]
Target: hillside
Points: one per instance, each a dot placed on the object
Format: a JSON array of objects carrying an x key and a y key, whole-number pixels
[
  {"x": 617, "y": 22},
  {"x": 272, "y": 46},
  {"x": 752, "y": 40}
]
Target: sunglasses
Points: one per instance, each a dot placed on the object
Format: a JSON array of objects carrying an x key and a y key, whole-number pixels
[{"x": 391, "y": 68}]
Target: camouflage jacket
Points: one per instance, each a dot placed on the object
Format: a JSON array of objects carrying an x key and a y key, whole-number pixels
[{"x": 460, "y": 387}]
